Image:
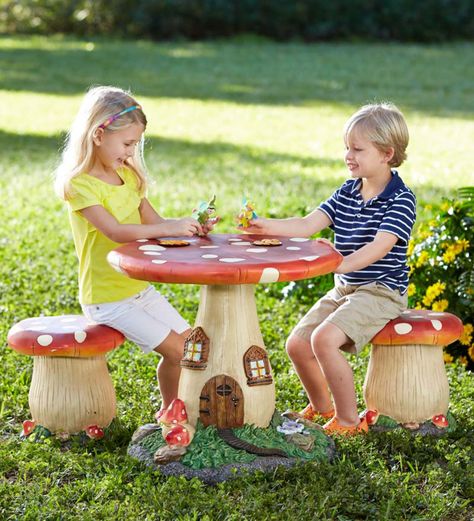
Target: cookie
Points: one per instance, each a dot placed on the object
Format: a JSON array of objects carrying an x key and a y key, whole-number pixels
[
  {"x": 173, "y": 242},
  {"x": 267, "y": 242}
]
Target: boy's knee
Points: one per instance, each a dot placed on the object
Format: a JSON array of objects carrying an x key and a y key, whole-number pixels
[
  {"x": 297, "y": 348},
  {"x": 323, "y": 342}
]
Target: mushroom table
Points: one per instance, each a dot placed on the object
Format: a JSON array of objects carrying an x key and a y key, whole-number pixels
[{"x": 226, "y": 378}]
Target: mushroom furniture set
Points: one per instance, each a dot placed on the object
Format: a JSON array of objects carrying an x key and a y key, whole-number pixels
[{"x": 226, "y": 374}]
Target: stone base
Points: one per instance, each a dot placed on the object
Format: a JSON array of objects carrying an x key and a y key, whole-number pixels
[{"x": 212, "y": 460}]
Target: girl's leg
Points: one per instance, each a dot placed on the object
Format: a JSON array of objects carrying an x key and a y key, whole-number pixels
[
  {"x": 326, "y": 341},
  {"x": 309, "y": 372},
  {"x": 169, "y": 369}
]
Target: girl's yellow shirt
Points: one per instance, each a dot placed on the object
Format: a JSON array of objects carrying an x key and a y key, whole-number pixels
[{"x": 98, "y": 281}]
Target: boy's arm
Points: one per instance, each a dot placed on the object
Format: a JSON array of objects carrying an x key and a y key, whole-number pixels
[
  {"x": 377, "y": 249},
  {"x": 305, "y": 226}
]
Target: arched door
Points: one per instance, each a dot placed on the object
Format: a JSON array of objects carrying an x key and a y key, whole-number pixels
[{"x": 221, "y": 403}]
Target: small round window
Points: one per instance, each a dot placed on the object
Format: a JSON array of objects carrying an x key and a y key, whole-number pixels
[{"x": 224, "y": 390}]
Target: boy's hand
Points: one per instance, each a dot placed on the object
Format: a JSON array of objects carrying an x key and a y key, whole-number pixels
[
  {"x": 327, "y": 241},
  {"x": 259, "y": 226}
]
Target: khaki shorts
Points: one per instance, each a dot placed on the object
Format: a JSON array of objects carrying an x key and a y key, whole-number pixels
[{"x": 359, "y": 311}]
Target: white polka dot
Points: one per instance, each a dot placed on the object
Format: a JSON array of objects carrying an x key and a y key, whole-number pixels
[
  {"x": 80, "y": 336},
  {"x": 269, "y": 275},
  {"x": 299, "y": 239},
  {"x": 241, "y": 243},
  {"x": 234, "y": 240},
  {"x": 310, "y": 258},
  {"x": 142, "y": 240},
  {"x": 158, "y": 261},
  {"x": 113, "y": 259},
  {"x": 437, "y": 325},
  {"x": 231, "y": 259},
  {"x": 403, "y": 328},
  {"x": 293, "y": 248},
  {"x": 209, "y": 256},
  {"x": 151, "y": 247},
  {"x": 208, "y": 247},
  {"x": 256, "y": 250},
  {"x": 44, "y": 340},
  {"x": 417, "y": 316},
  {"x": 152, "y": 253}
]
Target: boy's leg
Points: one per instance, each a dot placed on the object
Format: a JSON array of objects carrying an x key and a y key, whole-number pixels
[
  {"x": 169, "y": 368},
  {"x": 326, "y": 341},
  {"x": 309, "y": 372}
]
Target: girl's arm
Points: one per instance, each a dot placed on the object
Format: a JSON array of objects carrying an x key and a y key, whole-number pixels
[
  {"x": 377, "y": 249},
  {"x": 107, "y": 224},
  {"x": 305, "y": 226},
  {"x": 148, "y": 214}
]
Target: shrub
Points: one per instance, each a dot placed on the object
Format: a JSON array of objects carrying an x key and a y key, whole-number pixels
[{"x": 441, "y": 269}]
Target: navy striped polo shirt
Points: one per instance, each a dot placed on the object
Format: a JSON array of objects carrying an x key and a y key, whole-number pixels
[{"x": 356, "y": 222}]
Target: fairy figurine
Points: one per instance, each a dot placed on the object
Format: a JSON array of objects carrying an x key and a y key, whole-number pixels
[{"x": 246, "y": 214}]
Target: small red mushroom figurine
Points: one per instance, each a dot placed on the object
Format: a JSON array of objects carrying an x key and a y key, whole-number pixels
[
  {"x": 176, "y": 431},
  {"x": 440, "y": 421}
]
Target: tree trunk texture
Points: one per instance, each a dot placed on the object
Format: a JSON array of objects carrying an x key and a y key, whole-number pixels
[
  {"x": 407, "y": 382},
  {"x": 69, "y": 394}
]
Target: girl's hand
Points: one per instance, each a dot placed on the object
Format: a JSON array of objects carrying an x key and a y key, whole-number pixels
[
  {"x": 186, "y": 226},
  {"x": 327, "y": 241},
  {"x": 209, "y": 225}
]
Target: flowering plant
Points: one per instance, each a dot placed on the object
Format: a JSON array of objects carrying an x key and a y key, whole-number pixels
[{"x": 442, "y": 272}]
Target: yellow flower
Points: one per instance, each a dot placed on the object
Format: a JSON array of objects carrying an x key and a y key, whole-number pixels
[
  {"x": 411, "y": 247},
  {"x": 445, "y": 207},
  {"x": 448, "y": 359},
  {"x": 449, "y": 255},
  {"x": 466, "y": 335},
  {"x": 422, "y": 259},
  {"x": 470, "y": 352},
  {"x": 411, "y": 289},
  {"x": 440, "y": 305},
  {"x": 432, "y": 223},
  {"x": 432, "y": 292}
]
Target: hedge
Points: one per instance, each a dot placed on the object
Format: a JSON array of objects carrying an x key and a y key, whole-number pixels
[{"x": 307, "y": 20}]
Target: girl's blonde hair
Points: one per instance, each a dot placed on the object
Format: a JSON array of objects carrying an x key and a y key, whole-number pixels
[
  {"x": 99, "y": 104},
  {"x": 384, "y": 125}
]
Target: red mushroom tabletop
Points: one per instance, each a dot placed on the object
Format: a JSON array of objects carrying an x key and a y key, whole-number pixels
[
  {"x": 225, "y": 259},
  {"x": 67, "y": 335},
  {"x": 420, "y": 326}
]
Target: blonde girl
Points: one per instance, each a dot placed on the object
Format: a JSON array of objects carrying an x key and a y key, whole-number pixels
[{"x": 102, "y": 179}]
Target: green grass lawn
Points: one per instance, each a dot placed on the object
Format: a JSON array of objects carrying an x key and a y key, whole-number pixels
[{"x": 230, "y": 118}]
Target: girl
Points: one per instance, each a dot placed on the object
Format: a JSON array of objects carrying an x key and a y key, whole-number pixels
[{"x": 102, "y": 178}]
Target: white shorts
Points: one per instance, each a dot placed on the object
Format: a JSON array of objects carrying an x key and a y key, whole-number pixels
[{"x": 147, "y": 318}]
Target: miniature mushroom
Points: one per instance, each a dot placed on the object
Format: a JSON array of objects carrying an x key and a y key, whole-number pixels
[
  {"x": 179, "y": 435},
  {"x": 175, "y": 413},
  {"x": 406, "y": 379},
  {"x": 71, "y": 389}
]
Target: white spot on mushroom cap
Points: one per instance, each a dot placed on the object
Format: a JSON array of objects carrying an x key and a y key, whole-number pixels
[
  {"x": 158, "y": 261},
  {"x": 152, "y": 253},
  {"x": 299, "y": 239},
  {"x": 209, "y": 256},
  {"x": 436, "y": 314},
  {"x": 269, "y": 275},
  {"x": 256, "y": 250},
  {"x": 80, "y": 336},
  {"x": 241, "y": 243},
  {"x": 114, "y": 260},
  {"x": 234, "y": 240},
  {"x": 142, "y": 240},
  {"x": 44, "y": 340},
  {"x": 310, "y": 258},
  {"x": 231, "y": 259},
  {"x": 151, "y": 247},
  {"x": 437, "y": 325},
  {"x": 293, "y": 248},
  {"x": 208, "y": 247},
  {"x": 403, "y": 328}
]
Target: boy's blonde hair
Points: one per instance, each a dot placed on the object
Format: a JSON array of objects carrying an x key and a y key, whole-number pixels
[
  {"x": 99, "y": 104},
  {"x": 384, "y": 125}
]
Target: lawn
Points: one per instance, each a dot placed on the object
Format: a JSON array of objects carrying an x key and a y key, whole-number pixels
[{"x": 230, "y": 118}]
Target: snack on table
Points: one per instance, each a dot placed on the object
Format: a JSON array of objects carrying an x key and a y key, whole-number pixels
[
  {"x": 267, "y": 242},
  {"x": 205, "y": 211},
  {"x": 173, "y": 242},
  {"x": 246, "y": 214}
]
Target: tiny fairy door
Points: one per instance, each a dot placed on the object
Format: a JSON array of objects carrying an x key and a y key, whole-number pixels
[{"x": 221, "y": 403}]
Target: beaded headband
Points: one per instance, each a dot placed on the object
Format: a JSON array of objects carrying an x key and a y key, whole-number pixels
[{"x": 116, "y": 116}]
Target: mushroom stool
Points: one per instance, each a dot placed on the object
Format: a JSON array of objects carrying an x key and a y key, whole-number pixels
[
  {"x": 406, "y": 379},
  {"x": 71, "y": 389}
]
